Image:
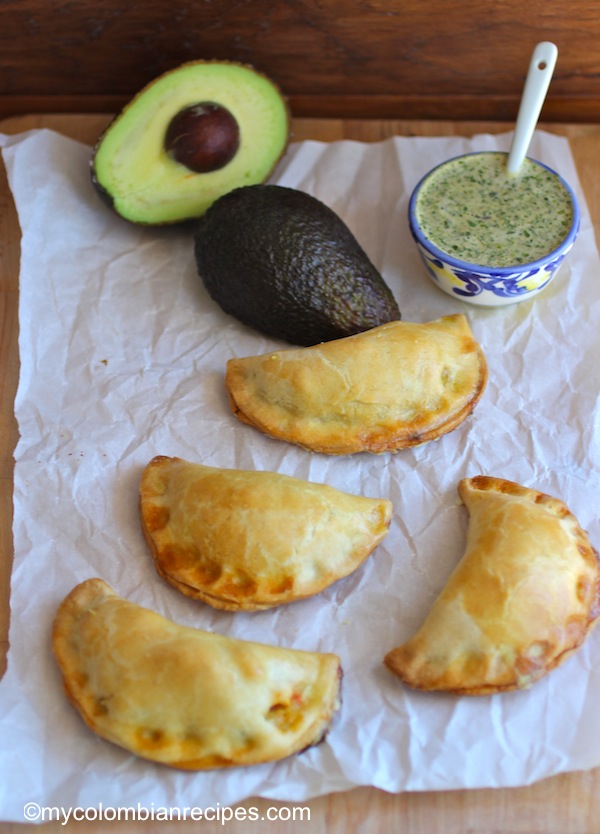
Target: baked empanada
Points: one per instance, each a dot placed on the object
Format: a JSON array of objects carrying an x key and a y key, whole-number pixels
[
  {"x": 240, "y": 539},
  {"x": 183, "y": 697},
  {"x": 398, "y": 385},
  {"x": 521, "y": 600}
]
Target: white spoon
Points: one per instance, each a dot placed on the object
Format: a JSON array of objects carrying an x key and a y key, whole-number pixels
[{"x": 540, "y": 72}]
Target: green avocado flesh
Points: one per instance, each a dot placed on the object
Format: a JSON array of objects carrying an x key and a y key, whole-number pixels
[
  {"x": 285, "y": 264},
  {"x": 144, "y": 183}
]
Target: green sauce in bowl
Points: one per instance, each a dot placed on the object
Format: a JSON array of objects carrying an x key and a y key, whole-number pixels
[{"x": 475, "y": 211}]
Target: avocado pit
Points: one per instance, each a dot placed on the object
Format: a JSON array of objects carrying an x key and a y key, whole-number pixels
[{"x": 204, "y": 137}]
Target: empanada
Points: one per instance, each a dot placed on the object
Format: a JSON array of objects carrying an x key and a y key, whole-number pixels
[
  {"x": 398, "y": 385},
  {"x": 248, "y": 540},
  {"x": 183, "y": 697},
  {"x": 521, "y": 600}
]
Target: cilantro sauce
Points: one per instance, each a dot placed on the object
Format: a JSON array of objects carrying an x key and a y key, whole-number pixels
[{"x": 472, "y": 209}]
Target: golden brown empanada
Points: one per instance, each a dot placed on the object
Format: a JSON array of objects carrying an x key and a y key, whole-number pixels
[
  {"x": 521, "y": 600},
  {"x": 239, "y": 539},
  {"x": 395, "y": 386},
  {"x": 183, "y": 697}
]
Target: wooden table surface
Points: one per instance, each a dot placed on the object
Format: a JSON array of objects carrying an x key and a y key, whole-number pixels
[{"x": 564, "y": 804}]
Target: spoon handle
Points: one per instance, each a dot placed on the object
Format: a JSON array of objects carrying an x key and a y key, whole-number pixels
[{"x": 540, "y": 72}]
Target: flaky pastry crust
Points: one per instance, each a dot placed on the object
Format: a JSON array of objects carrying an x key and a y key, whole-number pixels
[
  {"x": 248, "y": 540},
  {"x": 522, "y": 599},
  {"x": 398, "y": 385},
  {"x": 183, "y": 697}
]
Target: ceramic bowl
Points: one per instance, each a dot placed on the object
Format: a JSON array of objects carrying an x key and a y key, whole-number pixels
[{"x": 490, "y": 286}]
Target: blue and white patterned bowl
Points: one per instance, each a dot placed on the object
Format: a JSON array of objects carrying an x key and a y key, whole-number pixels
[{"x": 485, "y": 285}]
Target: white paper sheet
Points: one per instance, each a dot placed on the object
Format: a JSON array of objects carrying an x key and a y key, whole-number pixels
[{"x": 122, "y": 358}]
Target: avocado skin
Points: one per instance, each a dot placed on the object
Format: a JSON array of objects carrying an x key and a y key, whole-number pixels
[{"x": 285, "y": 264}]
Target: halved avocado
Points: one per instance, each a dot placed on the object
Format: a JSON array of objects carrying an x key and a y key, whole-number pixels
[{"x": 190, "y": 136}]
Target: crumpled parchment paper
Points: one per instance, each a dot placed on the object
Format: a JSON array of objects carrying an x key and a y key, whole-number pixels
[{"x": 122, "y": 358}]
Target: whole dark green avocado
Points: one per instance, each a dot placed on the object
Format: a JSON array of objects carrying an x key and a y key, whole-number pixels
[{"x": 285, "y": 264}]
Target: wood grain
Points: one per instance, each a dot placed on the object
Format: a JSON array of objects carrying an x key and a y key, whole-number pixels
[
  {"x": 341, "y": 58},
  {"x": 565, "y": 804}
]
